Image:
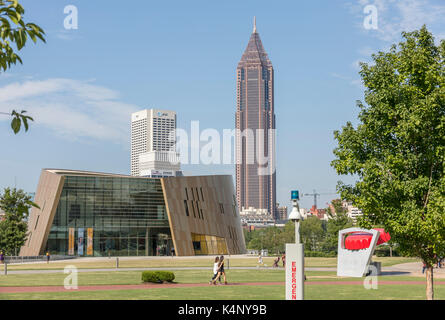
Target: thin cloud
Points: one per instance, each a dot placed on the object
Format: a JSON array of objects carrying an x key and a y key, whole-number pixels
[
  {"x": 395, "y": 16},
  {"x": 72, "y": 109},
  {"x": 353, "y": 82},
  {"x": 67, "y": 35}
]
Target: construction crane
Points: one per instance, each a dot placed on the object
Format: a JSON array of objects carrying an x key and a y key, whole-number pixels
[{"x": 315, "y": 195}]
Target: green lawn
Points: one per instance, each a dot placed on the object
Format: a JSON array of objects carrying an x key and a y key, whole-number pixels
[
  {"x": 270, "y": 292},
  {"x": 134, "y": 277},
  {"x": 390, "y": 261},
  {"x": 182, "y": 276}
]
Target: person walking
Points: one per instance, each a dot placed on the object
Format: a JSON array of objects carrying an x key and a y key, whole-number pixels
[
  {"x": 260, "y": 259},
  {"x": 47, "y": 257},
  {"x": 2, "y": 257},
  {"x": 424, "y": 267},
  {"x": 215, "y": 269},
  {"x": 275, "y": 262},
  {"x": 221, "y": 271},
  {"x": 283, "y": 259}
]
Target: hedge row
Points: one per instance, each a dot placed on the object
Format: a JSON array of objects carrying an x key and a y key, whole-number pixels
[
  {"x": 320, "y": 254},
  {"x": 158, "y": 276}
]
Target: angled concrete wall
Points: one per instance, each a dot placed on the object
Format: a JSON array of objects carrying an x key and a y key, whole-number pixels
[
  {"x": 219, "y": 217},
  {"x": 40, "y": 220}
]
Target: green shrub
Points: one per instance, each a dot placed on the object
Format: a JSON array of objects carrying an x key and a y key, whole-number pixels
[
  {"x": 149, "y": 276},
  {"x": 166, "y": 276},
  {"x": 157, "y": 276}
]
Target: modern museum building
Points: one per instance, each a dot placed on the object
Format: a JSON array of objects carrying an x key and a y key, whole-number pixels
[{"x": 98, "y": 214}]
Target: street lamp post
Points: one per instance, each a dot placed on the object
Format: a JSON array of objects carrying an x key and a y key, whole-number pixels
[
  {"x": 295, "y": 216},
  {"x": 295, "y": 256}
]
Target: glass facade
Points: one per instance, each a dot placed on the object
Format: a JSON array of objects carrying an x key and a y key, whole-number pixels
[
  {"x": 204, "y": 244},
  {"x": 119, "y": 216}
]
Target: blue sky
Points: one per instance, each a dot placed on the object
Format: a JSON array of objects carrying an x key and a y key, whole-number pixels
[{"x": 82, "y": 85}]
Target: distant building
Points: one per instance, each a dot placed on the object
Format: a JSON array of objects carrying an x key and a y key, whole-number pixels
[
  {"x": 255, "y": 114},
  {"x": 319, "y": 213},
  {"x": 158, "y": 164},
  {"x": 153, "y": 144},
  {"x": 332, "y": 208},
  {"x": 351, "y": 211},
  {"x": 256, "y": 217},
  {"x": 281, "y": 213},
  {"x": 322, "y": 214}
]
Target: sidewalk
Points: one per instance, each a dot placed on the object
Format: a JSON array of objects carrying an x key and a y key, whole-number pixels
[{"x": 413, "y": 269}]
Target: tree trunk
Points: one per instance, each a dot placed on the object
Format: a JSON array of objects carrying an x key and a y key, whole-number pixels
[{"x": 429, "y": 283}]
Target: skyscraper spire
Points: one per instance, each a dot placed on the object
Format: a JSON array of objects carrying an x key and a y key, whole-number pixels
[{"x": 255, "y": 52}]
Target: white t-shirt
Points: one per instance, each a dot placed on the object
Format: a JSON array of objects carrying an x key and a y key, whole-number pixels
[{"x": 215, "y": 267}]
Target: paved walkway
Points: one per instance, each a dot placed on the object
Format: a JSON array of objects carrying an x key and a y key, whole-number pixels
[{"x": 412, "y": 269}]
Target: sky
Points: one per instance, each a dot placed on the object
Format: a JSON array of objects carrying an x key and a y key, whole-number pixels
[{"x": 83, "y": 84}]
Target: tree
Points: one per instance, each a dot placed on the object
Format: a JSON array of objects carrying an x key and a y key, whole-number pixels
[
  {"x": 397, "y": 150},
  {"x": 270, "y": 238},
  {"x": 288, "y": 234},
  {"x": 338, "y": 207},
  {"x": 13, "y": 30},
  {"x": 335, "y": 223},
  {"x": 13, "y": 229},
  {"x": 312, "y": 233}
]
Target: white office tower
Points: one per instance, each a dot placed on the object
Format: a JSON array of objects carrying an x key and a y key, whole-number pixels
[{"x": 153, "y": 144}]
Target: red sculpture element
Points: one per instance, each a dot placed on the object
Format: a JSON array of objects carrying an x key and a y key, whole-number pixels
[{"x": 362, "y": 240}]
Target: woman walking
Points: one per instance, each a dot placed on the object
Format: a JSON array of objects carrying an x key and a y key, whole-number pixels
[
  {"x": 215, "y": 269},
  {"x": 220, "y": 271}
]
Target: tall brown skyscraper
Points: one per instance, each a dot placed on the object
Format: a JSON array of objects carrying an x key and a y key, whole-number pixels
[{"x": 255, "y": 121}]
